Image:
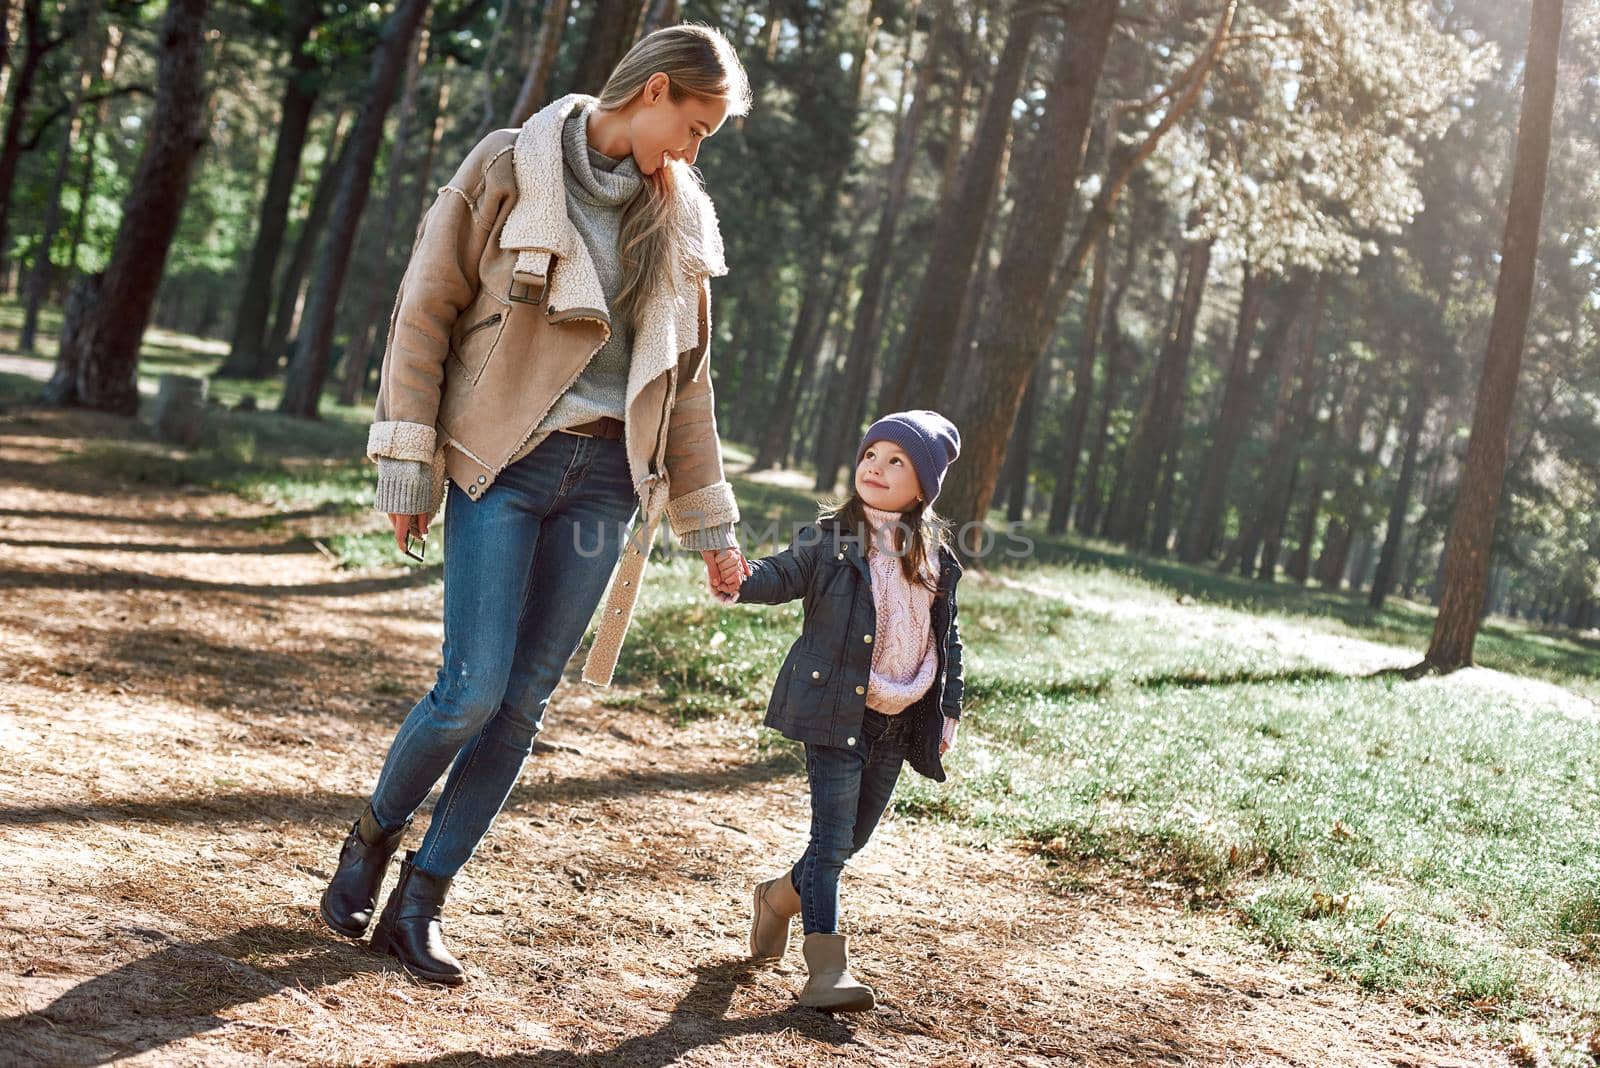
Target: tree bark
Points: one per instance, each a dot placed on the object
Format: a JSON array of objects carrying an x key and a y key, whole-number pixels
[
  {"x": 656, "y": 15},
  {"x": 302, "y": 390},
  {"x": 43, "y": 268},
  {"x": 866, "y": 333},
  {"x": 1210, "y": 493},
  {"x": 1017, "y": 330},
  {"x": 1082, "y": 393},
  {"x": 97, "y": 119},
  {"x": 394, "y": 198},
  {"x": 611, "y": 34},
  {"x": 300, "y": 93},
  {"x": 1092, "y": 498},
  {"x": 1286, "y": 450},
  {"x": 37, "y": 44},
  {"x": 283, "y": 317},
  {"x": 1263, "y": 529},
  {"x": 1162, "y": 410},
  {"x": 1103, "y": 212},
  {"x": 1466, "y": 564},
  {"x": 1019, "y": 451},
  {"x": 1389, "y": 560},
  {"x": 106, "y": 338},
  {"x": 535, "y": 91},
  {"x": 934, "y": 323}
]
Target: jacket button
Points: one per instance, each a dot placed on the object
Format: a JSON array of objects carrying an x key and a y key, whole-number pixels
[
  {"x": 482, "y": 480},
  {"x": 849, "y": 741},
  {"x": 861, "y": 689},
  {"x": 841, "y": 556},
  {"x": 816, "y": 674},
  {"x": 867, "y": 638}
]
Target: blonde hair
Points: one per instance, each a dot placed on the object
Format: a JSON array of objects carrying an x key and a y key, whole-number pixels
[{"x": 657, "y": 235}]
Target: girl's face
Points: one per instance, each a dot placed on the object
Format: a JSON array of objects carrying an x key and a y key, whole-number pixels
[
  {"x": 662, "y": 128},
  {"x": 885, "y": 478}
]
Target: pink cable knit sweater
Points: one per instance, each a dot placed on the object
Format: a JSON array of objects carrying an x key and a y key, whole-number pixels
[{"x": 904, "y": 659}]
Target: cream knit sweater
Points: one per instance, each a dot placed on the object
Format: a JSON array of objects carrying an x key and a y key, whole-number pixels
[{"x": 904, "y": 659}]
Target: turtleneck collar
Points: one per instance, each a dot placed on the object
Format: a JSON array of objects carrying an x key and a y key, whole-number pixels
[
  {"x": 879, "y": 517},
  {"x": 600, "y": 179}
]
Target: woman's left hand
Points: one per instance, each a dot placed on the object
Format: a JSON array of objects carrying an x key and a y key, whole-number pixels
[{"x": 948, "y": 741}]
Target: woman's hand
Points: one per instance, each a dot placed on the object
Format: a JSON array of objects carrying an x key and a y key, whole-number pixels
[
  {"x": 947, "y": 741},
  {"x": 408, "y": 524},
  {"x": 725, "y": 572}
]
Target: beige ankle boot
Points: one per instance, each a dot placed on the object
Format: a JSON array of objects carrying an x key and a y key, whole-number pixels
[
  {"x": 776, "y": 903},
  {"x": 831, "y": 987}
]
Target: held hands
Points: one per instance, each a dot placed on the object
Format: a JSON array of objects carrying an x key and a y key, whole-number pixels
[
  {"x": 947, "y": 741},
  {"x": 725, "y": 572}
]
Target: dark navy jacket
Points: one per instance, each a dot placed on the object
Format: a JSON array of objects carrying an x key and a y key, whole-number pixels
[{"x": 820, "y": 694}]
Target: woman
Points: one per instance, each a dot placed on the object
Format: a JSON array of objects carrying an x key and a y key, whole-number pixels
[{"x": 548, "y": 354}]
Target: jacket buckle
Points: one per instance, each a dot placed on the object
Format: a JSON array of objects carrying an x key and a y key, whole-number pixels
[{"x": 526, "y": 292}]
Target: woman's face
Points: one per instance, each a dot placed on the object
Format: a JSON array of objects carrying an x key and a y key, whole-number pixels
[
  {"x": 885, "y": 478},
  {"x": 662, "y": 128}
]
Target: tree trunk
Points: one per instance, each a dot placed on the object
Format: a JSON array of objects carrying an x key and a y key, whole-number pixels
[
  {"x": 611, "y": 34},
  {"x": 303, "y": 388},
  {"x": 1472, "y": 526},
  {"x": 1082, "y": 394},
  {"x": 1160, "y": 416},
  {"x": 934, "y": 323},
  {"x": 1299, "y": 565},
  {"x": 656, "y": 15},
  {"x": 866, "y": 333},
  {"x": 1017, "y": 329},
  {"x": 1389, "y": 560},
  {"x": 1019, "y": 451},
  {"x": 43, "y": 268},
  {"x": 1102, "y": 213},
  {"x": 394, "y": 199},
  {"x": 97, "y": 119},
  {"x": 820, "y": 299},
  {"x": 107, "y": 338},
  {"x": 1284, "y": 466},
  {"x": 283, "y": 317},
  {"x": 1091, "y": 503},
  {"x": 535, "y": 91},
  {"x": 255, "y": 295},
  {"x": 37, "y": 44},
  {"x": 1210, "y": 493}
]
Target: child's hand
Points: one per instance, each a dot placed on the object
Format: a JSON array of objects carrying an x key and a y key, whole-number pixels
[
  {"x": 725, "y": 572},
  {"x": 948, "y": 741}
]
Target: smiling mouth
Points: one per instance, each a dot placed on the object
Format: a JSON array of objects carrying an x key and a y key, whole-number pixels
[{"x": 876, "y": 485}]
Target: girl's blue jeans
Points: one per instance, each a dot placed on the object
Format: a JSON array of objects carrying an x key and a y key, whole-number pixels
[
  {"x": 524, "y": 568},
  {"x": 850, "y": 789}
]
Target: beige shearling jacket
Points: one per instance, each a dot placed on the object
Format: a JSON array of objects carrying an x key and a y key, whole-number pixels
[{"x": 499, "y": 311}]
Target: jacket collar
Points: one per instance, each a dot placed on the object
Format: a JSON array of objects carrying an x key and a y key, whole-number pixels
[
  {"x": 854, "y": 550},
  {"x": 538, "y": 229}
]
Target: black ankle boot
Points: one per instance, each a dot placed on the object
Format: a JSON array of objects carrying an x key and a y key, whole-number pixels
[
  {"x": 352, "y": 893},
  {"x": 409, "y": 927}
]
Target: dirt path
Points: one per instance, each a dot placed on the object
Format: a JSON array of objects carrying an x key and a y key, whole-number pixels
[{"x": 194, "y": 702}]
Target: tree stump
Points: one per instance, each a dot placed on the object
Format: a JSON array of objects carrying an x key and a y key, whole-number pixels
[{"x": 180, "y": 408}]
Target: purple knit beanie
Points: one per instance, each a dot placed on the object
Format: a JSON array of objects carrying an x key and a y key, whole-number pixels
[{"x": 930, "y": 439}]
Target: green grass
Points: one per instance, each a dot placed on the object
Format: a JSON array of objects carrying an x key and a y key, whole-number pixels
[
  {"x": 1437, "y": 839},
  {"x": 1223, "y": 740}
]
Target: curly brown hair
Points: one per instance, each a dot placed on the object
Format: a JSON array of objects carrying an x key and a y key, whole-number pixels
[{"x": 918, "y": 533}]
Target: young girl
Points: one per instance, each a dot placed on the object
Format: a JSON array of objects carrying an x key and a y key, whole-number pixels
[{"x": 874, "y": 679}]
